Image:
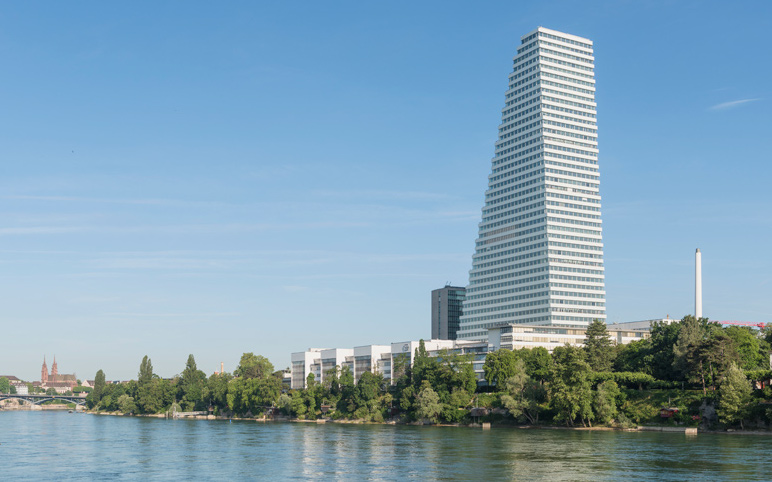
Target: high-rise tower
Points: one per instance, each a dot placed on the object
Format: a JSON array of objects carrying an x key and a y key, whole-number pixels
[
  {"x": 446, "y": 312},
  {"x": 539, "y": 252}
]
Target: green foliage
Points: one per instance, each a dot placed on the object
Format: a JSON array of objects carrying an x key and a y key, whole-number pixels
[
  {"x": 757, "y": 375},
  {"x": 605, "y": 402},
  {"x": 499, "y": 366},
  {"x": 253, "y": 395},
  {"x": 625, "y": 379},
  {"x": 635, "y": 356},
  {"x": 427, "y": 403},
  {"x": 734, "y": 397},
  {"x": 126, "y": 404},
  {"x": 751, "y": 348},
  {"x": 284, "y": 403},
  {"x": 5, "y": 385},
  {"x": 145, "y": 374},
  {"x": 99, "y": 386},
  {"x": 597, "y": 347},
  {"x": 192, "y": 387},
  {"x": 216, "y": 390},
  {"x": 663, "y": 339},
  {"x": 538, "y": 362},
  {"x": 253, "y": 366},
  {"x": 152, "y": 395},
  {"x": 569, "y": 387},
  {"x": 686, "y": 350},
  {"x": 523, "y": 396}
]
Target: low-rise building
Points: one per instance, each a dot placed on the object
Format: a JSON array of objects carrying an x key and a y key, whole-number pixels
[
  {"x": 392, "y": 360},
  {"x": 373, "y": 359},
  {"x": 516, "y": 336},
  {"x": 303, "y": 364}
]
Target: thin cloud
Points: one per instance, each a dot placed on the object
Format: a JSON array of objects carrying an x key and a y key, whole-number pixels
[
  {"x": 39, "y": 230},
  {"x": 385, "y": 195},
  {"x": 732, "y": 104},
  {"x": 150, "y": 201}
]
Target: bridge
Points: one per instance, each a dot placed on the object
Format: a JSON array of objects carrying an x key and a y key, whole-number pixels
[{"x": 39, "y": 399}]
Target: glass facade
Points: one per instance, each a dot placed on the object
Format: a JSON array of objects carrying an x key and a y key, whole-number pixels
[
  {"x": 447, "y": 308},
  {"x": 539, "y": 252}
]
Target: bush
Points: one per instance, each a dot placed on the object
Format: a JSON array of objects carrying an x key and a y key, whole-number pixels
[{"x": 452, "y": 414}]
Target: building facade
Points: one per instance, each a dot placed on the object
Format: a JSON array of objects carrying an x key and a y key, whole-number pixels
[
  {"x": 516, "y": 336},
  {"x": 446, "y": 311},
  {"x": 61, "y": 382},
  {"x": 539, "y": 252}
]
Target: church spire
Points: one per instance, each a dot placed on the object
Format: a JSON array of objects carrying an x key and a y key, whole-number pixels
[{"x": 44, "y": 371}]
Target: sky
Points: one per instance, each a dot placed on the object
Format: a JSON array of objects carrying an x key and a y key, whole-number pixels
[{"x": 222, "y": 178}]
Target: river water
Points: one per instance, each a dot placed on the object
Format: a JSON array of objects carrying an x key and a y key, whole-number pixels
[{"x": 60, "y": 445}]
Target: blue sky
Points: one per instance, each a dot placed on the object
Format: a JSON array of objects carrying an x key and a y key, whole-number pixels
[{"x": 217, "y": 179}]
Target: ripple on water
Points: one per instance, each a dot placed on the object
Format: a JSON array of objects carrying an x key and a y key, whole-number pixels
[{"x": 61, "y": 445}]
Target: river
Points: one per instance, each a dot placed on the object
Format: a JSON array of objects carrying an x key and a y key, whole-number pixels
[{"x": 61, "y": 445}]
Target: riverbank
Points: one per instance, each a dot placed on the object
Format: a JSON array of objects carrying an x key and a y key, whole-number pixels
[
  {"x": 499, "y": 426},
  {"x": 29, "y": 407}
]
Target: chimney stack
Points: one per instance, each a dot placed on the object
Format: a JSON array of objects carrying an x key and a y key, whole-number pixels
[
  {"x": 222, "y": 368},
  {"x": 698, "y": 284}
]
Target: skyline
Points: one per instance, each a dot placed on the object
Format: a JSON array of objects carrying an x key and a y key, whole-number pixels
[{"x": 260, "y": 179}]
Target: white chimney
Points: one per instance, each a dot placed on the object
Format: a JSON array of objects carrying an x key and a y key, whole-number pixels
[{"x": 698, "y": 284}]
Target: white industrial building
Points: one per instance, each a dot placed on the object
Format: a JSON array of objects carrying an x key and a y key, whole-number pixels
[{"x": 382, "y": 358}]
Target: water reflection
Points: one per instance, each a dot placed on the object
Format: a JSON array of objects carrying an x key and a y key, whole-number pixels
[{"x": 75, "y": 446}]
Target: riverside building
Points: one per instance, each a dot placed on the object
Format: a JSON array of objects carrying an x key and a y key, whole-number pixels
[
  {"x": 391, "y": 360},
  {"x": 446, "y": 311},
  {"x": 539, "y": 251}
]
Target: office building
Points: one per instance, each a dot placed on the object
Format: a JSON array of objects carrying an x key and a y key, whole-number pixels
[
  {"x": 539, "y": 253},
  {"x": 446, "y": 312}
]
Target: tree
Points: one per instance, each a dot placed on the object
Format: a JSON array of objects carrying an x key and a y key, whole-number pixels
[
  {"x": 217, "y": 390},
  {"x": 253, "y": 366},
  {"x": 427, "y": 403},
  {"x": 150, "y": 389},
  {"x": 145, "y": 371},
  {"x": 569, "y": 386},
  {"x": 693, "y": 332},
  {"x": 192, "y": 385},
  {"x": 523, "y": 395},
  {"x": 537, "y": 362},
  {"x": 634, "y": 357},
  {"x": 597, "y": 346},
  {"x": 99, "y": 385},
  {"x": 749, "y": 347},
  {"x": 734, "y": 397},
  {"x": 285, "y": 403},
  {"x": 605, "y": 401},
  {"x": 716, "y": 355},
  {"x": 424, "y": 367},
  {"x": 5, "y": 385},
  {"x": 348, "y": 393},
  {"x": 500, "y": 366},
  {"x": 663, "y": 338},
  {"x": 253, "y": 395},
  {"x": 152, "y": 396},
  {"x": 126, "y": 404}
]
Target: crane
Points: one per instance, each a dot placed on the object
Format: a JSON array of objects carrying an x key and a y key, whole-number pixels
[{"x": 743, "y": 323}]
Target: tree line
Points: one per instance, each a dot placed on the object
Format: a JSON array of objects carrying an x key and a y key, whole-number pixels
[{"x": 687, "y": 365}]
